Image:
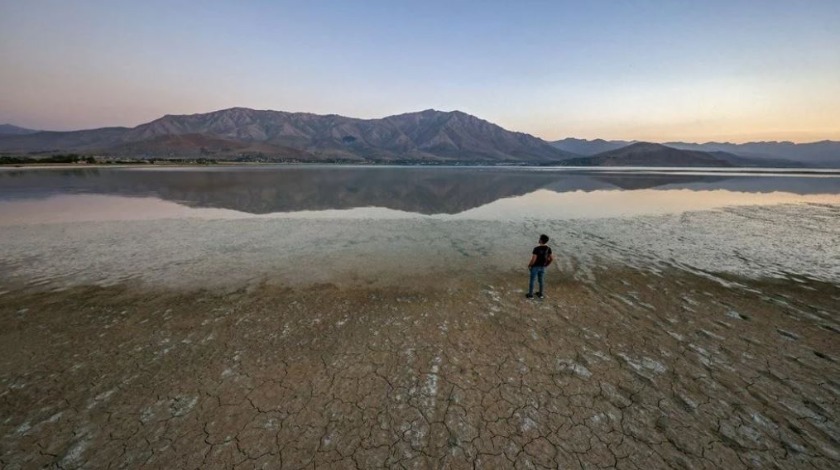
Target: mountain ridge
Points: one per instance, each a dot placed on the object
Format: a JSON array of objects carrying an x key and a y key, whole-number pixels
[
  {"x": 11, "y": 129},
  {"x": 818, "y": 153},
  {"x": 428, "y": 135},
  {"x": 653, "y": 154}
]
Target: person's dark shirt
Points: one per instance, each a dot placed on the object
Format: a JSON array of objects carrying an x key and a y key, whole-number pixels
[{"x": 542, "y": 252}]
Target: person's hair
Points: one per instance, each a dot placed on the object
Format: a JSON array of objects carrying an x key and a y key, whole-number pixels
[{"x": 543, "y": 238}]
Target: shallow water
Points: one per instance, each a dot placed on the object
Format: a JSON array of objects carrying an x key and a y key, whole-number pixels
[{"x": 229, "y": 226}]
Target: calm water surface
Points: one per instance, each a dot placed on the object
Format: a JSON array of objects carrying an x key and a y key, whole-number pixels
[{"x": 66, "y": 195}]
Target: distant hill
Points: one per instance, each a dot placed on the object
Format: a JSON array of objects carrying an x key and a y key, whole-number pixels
[
  {"x": 9, "y": 129},
  {"x": 589, "y": 147},
  {"x": 824, "y": 153},
  {"x": 240, "y": 132},
  {"x": 648, "y": 154},
  {"x": 59, "y": 142}
]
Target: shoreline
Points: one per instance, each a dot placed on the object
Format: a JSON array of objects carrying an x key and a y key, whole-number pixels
[
  {"x": 297, "y": 251},
  {"x": 816, "y": 170}
]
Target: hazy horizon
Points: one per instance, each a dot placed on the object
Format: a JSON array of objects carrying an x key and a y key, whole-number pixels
[{"x": 651, "y": 71}]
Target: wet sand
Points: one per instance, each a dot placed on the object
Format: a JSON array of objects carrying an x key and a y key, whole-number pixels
[{"x": 424, "y": 354}]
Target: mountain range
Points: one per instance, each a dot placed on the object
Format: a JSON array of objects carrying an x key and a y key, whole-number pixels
[
  {"x": 423, "y": 136},
  {"x": 823, "y": 153},
  {"x": 428, "y": 136}
]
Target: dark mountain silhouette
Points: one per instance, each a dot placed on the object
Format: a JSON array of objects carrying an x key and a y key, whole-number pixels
[
  {"x": 424, "y": 136},
  {"x": 824, "y": 153},
  {"x": 9, "y": 129},
  {"x": 648, "y": 154}
]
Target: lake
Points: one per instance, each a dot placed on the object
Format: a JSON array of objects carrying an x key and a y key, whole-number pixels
[
  {"x": 374, "y": 192},
  {"x": 375, "y": 316},
  {"x": 258, "y": 222}
]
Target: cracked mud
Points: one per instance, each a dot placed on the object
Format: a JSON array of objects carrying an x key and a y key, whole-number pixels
[{"x": 647, "y": 370}]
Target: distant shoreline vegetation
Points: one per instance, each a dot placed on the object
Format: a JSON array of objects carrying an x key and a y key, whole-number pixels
[
  {"x": 58, "y": 158},
  {"x": 76, "y": 159}
]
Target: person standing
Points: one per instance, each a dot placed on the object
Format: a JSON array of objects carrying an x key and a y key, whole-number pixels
[{"x": 540, "y": 258}]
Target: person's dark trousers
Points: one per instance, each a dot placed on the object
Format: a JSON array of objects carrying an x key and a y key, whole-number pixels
[{"x": 537, "y": 272}]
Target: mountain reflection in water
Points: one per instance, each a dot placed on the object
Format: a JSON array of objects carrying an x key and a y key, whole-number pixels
[{"x": 263, "y": 190}]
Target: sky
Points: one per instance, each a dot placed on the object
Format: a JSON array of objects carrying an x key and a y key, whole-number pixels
[{"x": 659, "y": 71}]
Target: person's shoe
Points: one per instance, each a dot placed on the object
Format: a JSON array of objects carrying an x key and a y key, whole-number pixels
[
  {"x": 540, "y": 295},
  {"x": 529, "y": 296}
]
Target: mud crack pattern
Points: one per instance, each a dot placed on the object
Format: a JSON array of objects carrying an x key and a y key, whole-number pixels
[{"x": 630, "y": 368}]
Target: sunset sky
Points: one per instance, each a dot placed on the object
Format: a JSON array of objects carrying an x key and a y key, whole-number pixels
[{"x": 647, "y": 70}]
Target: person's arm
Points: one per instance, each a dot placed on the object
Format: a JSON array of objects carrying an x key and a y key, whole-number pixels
[
  {"x": 533, "y": 260},
  {"x": 550, "y": 259}
]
